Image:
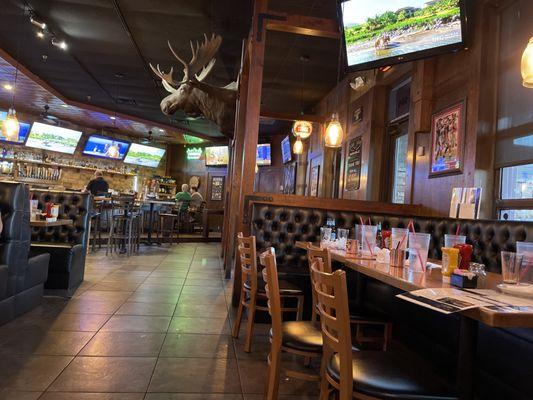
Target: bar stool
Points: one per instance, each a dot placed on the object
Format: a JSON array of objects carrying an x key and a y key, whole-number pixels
[
  {"x": 365, "y": 374},
  {"x": 168, "y": 224},
  {"x": 253, "y": 288},
  {"x": 121, "y": 229},
  {"x": 301, "y": 338},
  {"x": 358, "y": 316}
]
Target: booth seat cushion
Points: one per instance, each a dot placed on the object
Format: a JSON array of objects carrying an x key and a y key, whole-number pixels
[{"x": 4, "y": 273}]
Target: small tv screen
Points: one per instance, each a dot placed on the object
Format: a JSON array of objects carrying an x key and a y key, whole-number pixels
[
  {"x": 216, "y": 156},
  {"x": 53, "y": 138},
  {"x": 105, "y": 147},
  {"x": 146, "y": 156},
  {"x": 385, "y": 32},
  {"x": 286, "y": 154},
  {"x": 263, "y": 154},
  {"x": 23, "y": 132}
]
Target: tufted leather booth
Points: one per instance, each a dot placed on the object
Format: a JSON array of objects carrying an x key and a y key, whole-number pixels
[
  {"x": 281, "y": 227},
  {"x": 21, "y": 279},
  {"x": 504, "y": 355},
  {"x": 66, "y": 244}
]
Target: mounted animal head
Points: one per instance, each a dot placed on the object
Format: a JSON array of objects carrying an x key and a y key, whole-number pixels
[{"x": 192, "y": 95}]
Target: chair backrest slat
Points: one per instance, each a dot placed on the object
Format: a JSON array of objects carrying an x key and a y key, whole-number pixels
[
  {"x": 317, "y": 253},
  {"x": 248, "y": 259},
  {"x": 270, "y": 276}
]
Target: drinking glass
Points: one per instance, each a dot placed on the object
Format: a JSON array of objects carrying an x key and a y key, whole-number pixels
[
  {"x": 397, "y": 235},
  {"x": 358, "y": 231},
  {"x": 342, "y": 235},
  {"x": 526, "y": 248},
  {"x": 452, "y": 240},
  {"x": 418, "y": 250},
  {"x": 369, "y": 233},
  {"x": 511, "y": 263},
  {"x": 325, "y": 236}
]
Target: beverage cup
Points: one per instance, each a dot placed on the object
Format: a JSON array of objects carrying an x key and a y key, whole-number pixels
[
  {"x": 325, "y": 236},
  {"x": 511, "y": 263},
  {"x": 526, "y": 249},
  {"x": 358, "y": 231},
  {"x": 369, "y": 233},
  {"x": 397, "y": 257},
  {"x": 418, "y": 250},
  {"x": 452, "y": 240},
  {"x": 397, "y": 235},
  {"x": 342, "y": 235}
]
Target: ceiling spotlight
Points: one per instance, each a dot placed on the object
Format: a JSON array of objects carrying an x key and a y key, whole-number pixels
[
  {"x": 37, "y": 23},
  {"x": 64, "y": 105},
  {"x": 59, "y": 43},
  {"x": 7, "y": 86},
  {"x": 40, "y": 34},
  {"x": 113, "y": 118}
]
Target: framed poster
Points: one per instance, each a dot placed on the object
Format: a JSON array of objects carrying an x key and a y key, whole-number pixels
[
  {"x": 447, "y": 140},
  {"x": 357, "y": 115},
  {"x": 352, "y": 179},
  {"x": 289, "y": 178},
  {"x": 217, "y": 188},
  {"x": 313, "y": 181}
]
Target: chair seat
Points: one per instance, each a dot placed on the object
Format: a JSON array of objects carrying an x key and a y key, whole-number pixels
[
  {"x": 302, "y": 335},
  {"x": 393, "y": 375},
  {"x": 285, "y": 288}
]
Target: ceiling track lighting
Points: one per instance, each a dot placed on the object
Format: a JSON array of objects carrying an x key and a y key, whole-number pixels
[
  {"x": 39, "y": 24},
  {"x": 59, "y": 43}
]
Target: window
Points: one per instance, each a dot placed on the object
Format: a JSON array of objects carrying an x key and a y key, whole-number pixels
[
  {"x": 399, "y": 169},
  {"x": 516, "y": 193}
]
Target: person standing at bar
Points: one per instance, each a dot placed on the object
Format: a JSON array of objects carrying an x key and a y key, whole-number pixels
[{"x": 97, "y": 185}]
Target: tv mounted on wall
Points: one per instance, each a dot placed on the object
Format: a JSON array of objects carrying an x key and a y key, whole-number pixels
[
  {"x": 263, "y": 154},
  {"x": 105, "y": 147},
  {"x": 146, "y": 156},
  {"x": 386, "y": 32},
  {"x": 23, "y": 132},
  {"x": 216, "y": 156},
  {"x": 286, "y": 154},
  {"x": 53, "y": 138}
]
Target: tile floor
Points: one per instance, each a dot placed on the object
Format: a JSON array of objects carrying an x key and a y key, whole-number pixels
[{"x": 154, "y": 326}]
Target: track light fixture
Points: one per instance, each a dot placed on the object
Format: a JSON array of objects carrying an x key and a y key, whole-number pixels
[
  {"x": 59, "y": 43},
  {"x": 39, "y": 24}
]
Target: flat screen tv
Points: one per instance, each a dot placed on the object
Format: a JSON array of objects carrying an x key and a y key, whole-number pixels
[
  {"x": 386, "y": 32},
  {"x": 105, "y": 147},
  {"x": 146, "y": 156},
  {"x": 263, "y": 154},
  {"x": 216, "y": 156},
  {"x": 23, "y": 132},
  {"x": 53, "y": 138},
  {"x": 286, "y": 154}
]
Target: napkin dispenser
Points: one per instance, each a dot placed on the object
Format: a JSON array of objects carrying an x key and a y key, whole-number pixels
[{"x": 463, "y": 279}]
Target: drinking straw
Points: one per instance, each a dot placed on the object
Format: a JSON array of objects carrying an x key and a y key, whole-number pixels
[
  {"x": 412, "y": 227},
  {"x": 361, "y": 220},
  {"x": 400, "y": 242},
  {"x": 457, "y": 230}
]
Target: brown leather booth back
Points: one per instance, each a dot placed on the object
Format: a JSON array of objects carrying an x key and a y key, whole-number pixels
[
  {"x": 72, "y": 205},
  {"x": 281, "y": 227}
]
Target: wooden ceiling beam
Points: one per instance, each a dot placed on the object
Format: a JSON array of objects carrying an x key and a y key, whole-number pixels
[
  {"x": 302, "y": 25},
  {"x": 293, "y": 116}
]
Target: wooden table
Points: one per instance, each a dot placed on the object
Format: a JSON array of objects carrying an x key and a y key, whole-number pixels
[
  {"x": 408, "y": 280},
  {"x": 45, "y": 224}
]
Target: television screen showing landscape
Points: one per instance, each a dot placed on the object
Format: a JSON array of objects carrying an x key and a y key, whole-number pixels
[
  {"x": 217, "y": 155},
  {"x": 263, "y": 154},
  {"x": 105, "y": 147},
  {"x": 23, "y": 132},
  {"x": 286, "y": 154},
  {"x": 147, "y": 156},
  {"x": 53, "y": 138},
  {"x": 378, "y": 30}
]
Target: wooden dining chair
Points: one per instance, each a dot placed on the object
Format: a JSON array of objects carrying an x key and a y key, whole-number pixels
[
  {"x": 253, "y": 287},
  {"x": 301, "y": 338},
  {"x": 365, "y": 374},
  {"x": 359, "y": 317}
]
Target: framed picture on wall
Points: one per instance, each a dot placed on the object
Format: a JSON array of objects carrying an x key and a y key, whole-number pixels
[
  {"x": 447, "y": 140},
  {"x": 352, "y": 179},
  {"x": 357, "y": 115},
  {"x": 289, "y": 178},
  {"x": 313, "y": 181},
  {"x": 217, "y": 188}
]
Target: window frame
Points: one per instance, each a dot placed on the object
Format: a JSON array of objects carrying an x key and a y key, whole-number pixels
[{"x": 508, "y": 204}]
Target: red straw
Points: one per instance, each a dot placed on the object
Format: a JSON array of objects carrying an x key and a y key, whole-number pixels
[
  {"x": 361, "y": 220},
  {"x": 457, "y": 230}
]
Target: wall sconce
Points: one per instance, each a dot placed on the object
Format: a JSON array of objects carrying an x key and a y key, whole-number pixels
[
  {"x": 298, "y": 147},
  {"x": 527, "y": 65},
  {"x": 334, "y": 133}
]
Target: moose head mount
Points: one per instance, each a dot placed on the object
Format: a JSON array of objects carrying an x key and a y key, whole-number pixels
[{"x": 192, "y": 95}]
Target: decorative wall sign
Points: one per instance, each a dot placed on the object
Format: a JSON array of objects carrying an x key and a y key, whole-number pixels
[
  {"x": 217, "y": 188},
  {"x": 447, "y": 140},
  {"x": 357, "y": 115},
  {"x": 352, "y": 178},
  {"x": 289, "y": 178},
  {"x": 194, "y": 153},
  {"x": 313, "y": 181},
  {"x": 194, "y": 181}
]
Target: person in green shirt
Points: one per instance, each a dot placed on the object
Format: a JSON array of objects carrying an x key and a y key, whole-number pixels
[{"x": 184, "y": 197}]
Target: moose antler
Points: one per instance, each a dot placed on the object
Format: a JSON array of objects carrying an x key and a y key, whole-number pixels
[{"x": 202, "y": 60}]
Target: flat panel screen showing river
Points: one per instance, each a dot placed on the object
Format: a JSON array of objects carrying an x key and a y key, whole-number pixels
[{"x": 377, "y": 30}]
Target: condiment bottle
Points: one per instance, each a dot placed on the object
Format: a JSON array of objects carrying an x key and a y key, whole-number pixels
[
  {"x": 450, "y": 261},
  {"x": 465, "y": 251},
  {"x": 479, "y": 270}
]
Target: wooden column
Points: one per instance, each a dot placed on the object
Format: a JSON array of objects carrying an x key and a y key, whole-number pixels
[{"x": 246, "y": 138}]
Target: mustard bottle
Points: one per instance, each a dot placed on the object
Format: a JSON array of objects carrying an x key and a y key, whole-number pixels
[{"x": 450, "y": 261}]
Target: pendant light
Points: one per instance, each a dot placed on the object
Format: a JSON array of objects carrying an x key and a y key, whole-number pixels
[
  {"x": 301, "y": 128},
  {"x": 298, "y": 146},
  {"x": 334, "y": 133},
  {"x": 527, "y": 65},
  {"x": 11, "y": 126}
]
